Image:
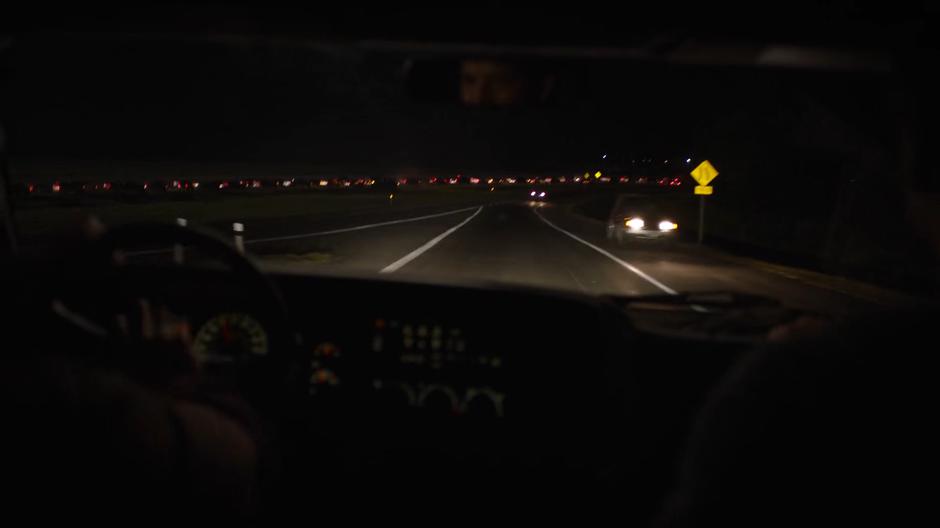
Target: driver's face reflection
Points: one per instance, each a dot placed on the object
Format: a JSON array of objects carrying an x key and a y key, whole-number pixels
[{"x": 486, "y": 82}]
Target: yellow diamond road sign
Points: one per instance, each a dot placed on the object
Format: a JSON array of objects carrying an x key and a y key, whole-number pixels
[
  {"x": 704, "y": 173},
  {"x": 703, "y": 189}
]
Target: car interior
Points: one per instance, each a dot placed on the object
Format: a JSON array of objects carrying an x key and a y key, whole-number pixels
[
  {"x": 381, "y": 398},
  {"x": 398, "y": 389}
]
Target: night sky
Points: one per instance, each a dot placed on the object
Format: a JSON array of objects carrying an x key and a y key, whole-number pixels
[{"x": 335, "y": 105}]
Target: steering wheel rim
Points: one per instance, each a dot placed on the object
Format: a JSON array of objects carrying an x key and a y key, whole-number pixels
[
  {"x": 154, "y": 234},
  {"x": 109, "y": 253}
]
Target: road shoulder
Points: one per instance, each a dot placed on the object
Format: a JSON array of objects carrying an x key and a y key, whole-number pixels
[{"x": 878, "y": 295}]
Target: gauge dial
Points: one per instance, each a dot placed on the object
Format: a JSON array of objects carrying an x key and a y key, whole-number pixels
[{"x": 230, "y": 337}]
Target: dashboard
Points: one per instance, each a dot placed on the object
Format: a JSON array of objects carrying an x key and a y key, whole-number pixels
[
  {"x": 424, "y": 350},
  {"x": 414, "y": 364},
  {"x": 407, "y": 389}
]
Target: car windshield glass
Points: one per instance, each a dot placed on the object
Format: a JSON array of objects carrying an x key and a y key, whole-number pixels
[{"x": 795, "y": 172}]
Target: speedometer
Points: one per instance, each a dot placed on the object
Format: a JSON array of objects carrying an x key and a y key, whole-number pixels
[{"x": 230, "y": 337}]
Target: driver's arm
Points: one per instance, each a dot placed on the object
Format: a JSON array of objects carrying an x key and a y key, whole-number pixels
[{"x": 84, "y": 437}]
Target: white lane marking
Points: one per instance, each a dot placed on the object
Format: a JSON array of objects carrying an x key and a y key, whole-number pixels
[
  {"x": 611, "y": 256},
  {"x": 322, "y": 233},
  {"x": 397, "y": 265},
  {"x": 357, "y": 228}
]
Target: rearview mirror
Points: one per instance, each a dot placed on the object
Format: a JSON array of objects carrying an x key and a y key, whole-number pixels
[{"x": 481, "y": 82}]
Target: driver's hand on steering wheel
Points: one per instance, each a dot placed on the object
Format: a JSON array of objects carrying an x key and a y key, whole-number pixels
[
  {"x": 162, "y": 346},
  {"x": 93, "y": 438},
  {"x": 138, "y": 419},
  {"x": 217, "y": 427}
]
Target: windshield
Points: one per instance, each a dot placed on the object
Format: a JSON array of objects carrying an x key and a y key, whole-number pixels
[{"x": 794, "y": 173}]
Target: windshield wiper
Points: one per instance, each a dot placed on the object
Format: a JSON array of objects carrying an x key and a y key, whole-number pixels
[
  {"x": 709, "y": 301},
  {"x": 719, "y": 315}
]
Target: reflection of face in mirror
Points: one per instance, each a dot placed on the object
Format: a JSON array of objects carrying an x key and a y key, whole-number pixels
[{"x": 487, "y": 82}]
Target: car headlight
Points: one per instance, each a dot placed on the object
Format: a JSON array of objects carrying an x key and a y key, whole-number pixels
[
  {"x": 666, "y": 225},
  {"x": 532, "y": 193},
  {"x": 542, "y": 194},
  {"x": 636, "y": 223}
]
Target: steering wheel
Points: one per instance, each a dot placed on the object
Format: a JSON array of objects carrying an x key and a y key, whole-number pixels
[
  {"x": 118, "y": 239},
  {"x": 113, "y": 276}
]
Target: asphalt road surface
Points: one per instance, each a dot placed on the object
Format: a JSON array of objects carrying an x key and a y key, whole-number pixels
[{"x": 539, "y": 245}]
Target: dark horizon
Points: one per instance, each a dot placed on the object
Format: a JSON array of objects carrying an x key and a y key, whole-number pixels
[{"x": 180, "y": 100}]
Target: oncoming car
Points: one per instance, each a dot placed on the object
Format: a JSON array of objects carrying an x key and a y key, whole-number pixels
[
  {"x": 641, "y": 221},
  {"x": 537, "y": 195}
]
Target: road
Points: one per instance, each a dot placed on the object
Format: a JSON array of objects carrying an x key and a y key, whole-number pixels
[{"x": 545, "y": 246}]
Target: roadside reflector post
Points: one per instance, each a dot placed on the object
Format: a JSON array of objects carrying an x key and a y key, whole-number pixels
[
  {"x": 239, "y": 229},
  {"x": 178, "y": 255}
]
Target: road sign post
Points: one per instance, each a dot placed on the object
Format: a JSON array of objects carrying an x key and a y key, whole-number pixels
[
  {"x": 703, "y": 174},
  {"x": 701, "y": 218}
]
